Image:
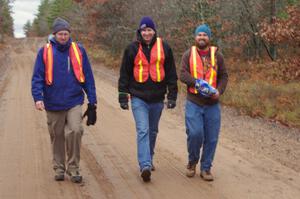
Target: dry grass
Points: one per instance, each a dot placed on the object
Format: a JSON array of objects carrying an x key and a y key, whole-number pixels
[
  {"x": 265, "y": 97},
  {"x": 104, "y": 57}
]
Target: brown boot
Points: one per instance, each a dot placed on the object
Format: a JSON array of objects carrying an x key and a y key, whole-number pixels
[
  {"x": 59, "y": 175},
  {"x": 190, "y": 170},
  {"x": 206, "y": 175},
  {"x": 146, "y": 174},
  {"x": 153, "y": 167},
  {"x": 75, "y": 176}
]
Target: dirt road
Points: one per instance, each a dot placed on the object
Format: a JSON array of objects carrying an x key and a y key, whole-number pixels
[{"x": 255, "y": 159}]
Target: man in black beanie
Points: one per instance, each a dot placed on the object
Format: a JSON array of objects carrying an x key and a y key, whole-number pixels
[{"x": 62, "y": 74}]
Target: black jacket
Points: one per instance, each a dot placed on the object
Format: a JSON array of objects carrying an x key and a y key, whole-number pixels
[{"x": 148, "y": 91}]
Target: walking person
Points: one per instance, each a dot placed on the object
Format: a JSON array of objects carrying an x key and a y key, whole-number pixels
[
  {"x": 203, "y": 71},
  {"x": 147, "y": 73},
  {"x": 61, "y": 75}
]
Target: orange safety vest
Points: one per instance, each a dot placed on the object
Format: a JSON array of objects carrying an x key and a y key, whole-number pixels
[
  {"x": 76, "y": 60},
  {"x": 196, "y": 68},
  {"x": 142, "y": 67}
]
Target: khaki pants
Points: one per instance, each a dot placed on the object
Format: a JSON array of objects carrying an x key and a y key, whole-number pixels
[{"x": 65, "y": 128}]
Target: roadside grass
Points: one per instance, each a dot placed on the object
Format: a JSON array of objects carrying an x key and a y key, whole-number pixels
[
  {"x": 259, "y": 98},
  {"x": 104, "y": 57}
]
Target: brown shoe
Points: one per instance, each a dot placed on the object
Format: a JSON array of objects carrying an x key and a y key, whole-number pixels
[
  {"x": 75, "y": 176},
  {"x": 206, "y": 175},
  {"x": 59, "y": 175},
  {"x": 146, "y": 174},
  {"x": 191, "y": 170},
  {"x": 153, "y": 167}
]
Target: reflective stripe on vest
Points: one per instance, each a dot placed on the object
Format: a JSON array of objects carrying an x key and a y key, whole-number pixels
[
  {"x": 76, "y": 60},
  {"x": 196, "y": 68},
  {"x": 142, "y": 68},
  {"x": 48, "y": 60}
]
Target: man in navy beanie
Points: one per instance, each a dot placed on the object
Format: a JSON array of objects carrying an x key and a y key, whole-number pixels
[
  {"x": 147, "y": 72},
  {"x": 202, "y": 63},
  {"x": 147, "y": 22},
  {"x": 62, "y": 75}
]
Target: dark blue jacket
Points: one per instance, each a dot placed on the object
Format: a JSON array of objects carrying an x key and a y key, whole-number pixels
[{"x": 66, "y": 91}]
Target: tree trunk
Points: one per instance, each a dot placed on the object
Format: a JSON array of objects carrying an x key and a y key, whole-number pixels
[{"x": 273, "y": 49}]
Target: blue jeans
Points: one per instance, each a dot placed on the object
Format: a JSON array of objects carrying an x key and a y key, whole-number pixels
[
  {"x": 146, "y": 116},
  {"x": 202, "y": 129}
]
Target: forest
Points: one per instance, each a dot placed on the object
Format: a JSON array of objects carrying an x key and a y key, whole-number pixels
[{"x": 260, "y": 40}]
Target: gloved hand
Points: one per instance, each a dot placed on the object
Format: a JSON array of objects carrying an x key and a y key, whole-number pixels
[
  {"x": 124, "y": 105},
  {"x": 171, "y": 104},
  {"x": 91, "y": 114},
  {"x": 123, "y": 100},
  {"x": 204, "y": 88}
]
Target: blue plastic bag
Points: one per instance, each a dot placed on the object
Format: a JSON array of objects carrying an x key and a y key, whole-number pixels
[{"x": 204, "y": 88}]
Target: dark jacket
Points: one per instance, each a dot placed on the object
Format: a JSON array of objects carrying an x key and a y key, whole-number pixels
[
  {"x": 189, "y": 80},
  {"x": 66, "y": 91},
  {"x": 148, "y": 91}
]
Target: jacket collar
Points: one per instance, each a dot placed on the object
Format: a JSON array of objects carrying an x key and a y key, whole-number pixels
[{"x": 61, "y": 47}]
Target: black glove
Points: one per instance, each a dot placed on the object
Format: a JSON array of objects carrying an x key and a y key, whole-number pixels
[
  {"x": 124, "y": 105},
  {"x": 123, "y": 100},
  {"x": 171, "y": 104},
  {"x": 91, "y": 114}
]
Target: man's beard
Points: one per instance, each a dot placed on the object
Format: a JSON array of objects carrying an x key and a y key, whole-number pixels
[{"x": 202, "y": 44}]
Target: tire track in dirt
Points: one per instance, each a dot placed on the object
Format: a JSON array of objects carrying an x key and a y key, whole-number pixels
[{"x": 98, "y": 173}]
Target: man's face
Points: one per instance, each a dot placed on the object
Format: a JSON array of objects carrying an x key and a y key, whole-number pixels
[
  {"x": 62, "y": 36},
  {"x": 202, "y": 40},
  {"x": 147, "y": 34}
]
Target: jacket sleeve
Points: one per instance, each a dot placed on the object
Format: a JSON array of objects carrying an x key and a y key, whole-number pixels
[
  {"x": 171, "y": 74},
  {"x": 89, "y": 84},
  {"x": 222, "y": 76},
  {"x": 126, "y": 71},
  {"x": 38, "y": 78},
  {"x": 185, "y": 75}
]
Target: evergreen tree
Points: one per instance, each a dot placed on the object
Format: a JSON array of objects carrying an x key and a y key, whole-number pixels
[
  {"x": 40, "y": 25},
  {"x": 27, "y": 28},
  {"x": 6, "y": 20},
  {"x": 47, "y": 12},
  {"x": 59, "y": 8}
]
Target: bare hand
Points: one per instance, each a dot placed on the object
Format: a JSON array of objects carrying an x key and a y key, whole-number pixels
[
  {"x": 216, "y": 96},
  {"x": 39, "y": 105}
]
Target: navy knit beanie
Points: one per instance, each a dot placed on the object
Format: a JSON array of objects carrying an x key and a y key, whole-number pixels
[
  {"x": 60, "y": 24},
  {"x": 203, "y": 28},
  {"x": 147, "y": 22}
]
